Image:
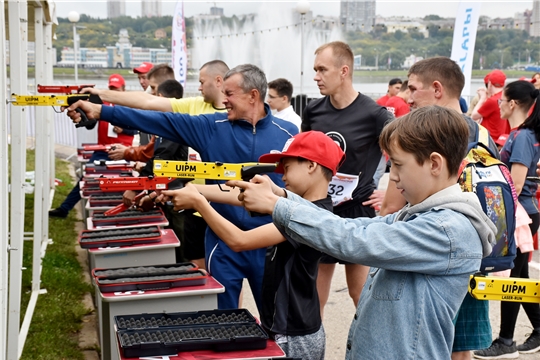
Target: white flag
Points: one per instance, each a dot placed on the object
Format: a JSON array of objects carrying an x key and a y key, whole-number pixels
[
  {"x": 465, "y": 38},
  {"x": 179, "y": 48}
]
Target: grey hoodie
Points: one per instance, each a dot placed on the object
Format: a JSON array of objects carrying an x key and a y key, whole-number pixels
[{"x": 453, "y": 198}]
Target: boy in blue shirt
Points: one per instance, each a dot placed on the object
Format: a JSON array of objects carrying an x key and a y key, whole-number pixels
[
  {"x": 290, "y": 305},
  {"x": 421, "y": 256}
]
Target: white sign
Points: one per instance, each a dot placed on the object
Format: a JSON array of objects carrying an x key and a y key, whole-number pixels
[
  {"x": 465, "y": 38},
  {"x": 179, "y": 47}
]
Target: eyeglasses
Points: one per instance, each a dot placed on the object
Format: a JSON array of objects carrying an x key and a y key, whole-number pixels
[{"x": 501, "y": 100}]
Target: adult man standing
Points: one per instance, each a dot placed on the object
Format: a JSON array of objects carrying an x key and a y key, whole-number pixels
[
  {"x": 439, "y": 81},
  {"x": 247, "y": 131},
  {"x": 398, "y": 105},
  {"x": 487, "y": 110},
  {"x": 394, "y": 86},
  {"x": 279, "y": 98},
  {"x": 141, "y": 72},
  {"x": 354, "y": 121}
]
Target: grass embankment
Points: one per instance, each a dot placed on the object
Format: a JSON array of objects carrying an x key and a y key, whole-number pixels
[{"x": 58, "y": 314}]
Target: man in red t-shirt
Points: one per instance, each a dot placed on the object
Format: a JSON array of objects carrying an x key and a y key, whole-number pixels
[
  {"x": 398, "y": 105},
  {"x": 487, "y": 110},
  {"x": 393, "y": 89}
]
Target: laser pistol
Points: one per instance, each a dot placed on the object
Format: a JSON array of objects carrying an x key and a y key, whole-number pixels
[
  {"x": 167, "y": 171},
  {"x": 58, "y": 100}
]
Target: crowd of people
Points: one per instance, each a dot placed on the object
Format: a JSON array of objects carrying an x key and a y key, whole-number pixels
[{"x": 322, "y": 203}]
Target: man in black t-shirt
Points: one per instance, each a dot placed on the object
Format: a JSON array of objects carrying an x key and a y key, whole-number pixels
[{"x": 354, "y": 121}]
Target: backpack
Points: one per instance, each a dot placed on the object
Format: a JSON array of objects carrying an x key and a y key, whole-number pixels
[{"x": 489, "y": 178}]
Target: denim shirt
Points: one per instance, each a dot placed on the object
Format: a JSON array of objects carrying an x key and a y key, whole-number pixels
[{"x": 420, "y": 269}]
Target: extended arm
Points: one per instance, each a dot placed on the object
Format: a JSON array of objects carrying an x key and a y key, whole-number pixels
[
  {"x": 236, "y": 239},
  {"x": 132, "y": 99}
]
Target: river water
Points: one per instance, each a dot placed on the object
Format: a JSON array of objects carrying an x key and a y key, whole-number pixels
[{"x": 371, "y": 86}]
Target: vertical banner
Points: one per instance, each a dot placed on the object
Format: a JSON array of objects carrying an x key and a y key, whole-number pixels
[
  {"x": 179, "y": 47},
  {"x": 465, "y": 38}
]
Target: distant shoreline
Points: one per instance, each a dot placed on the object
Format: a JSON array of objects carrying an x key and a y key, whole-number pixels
[{"x": 103, "y": 73}]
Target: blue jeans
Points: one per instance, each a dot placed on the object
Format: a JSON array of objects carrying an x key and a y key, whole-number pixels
[{"x": 75, "y": 195}]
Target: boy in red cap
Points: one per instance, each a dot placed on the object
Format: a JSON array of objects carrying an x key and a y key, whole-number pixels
[
  {"x": 290, "y": 310},
  {"x": 141, "y": 72}
]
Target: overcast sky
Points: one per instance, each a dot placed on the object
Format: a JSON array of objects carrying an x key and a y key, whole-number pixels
[{"x": 491, "y": 8}]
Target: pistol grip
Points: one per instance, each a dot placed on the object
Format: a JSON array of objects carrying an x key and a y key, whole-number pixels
[{"x": 84, "y": 120}]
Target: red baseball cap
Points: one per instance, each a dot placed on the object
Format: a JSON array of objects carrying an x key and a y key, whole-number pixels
[
  {"x": 486, "y": 78},
  {"x": 502, "y": 139},
  {"x": 143, "y": 68},
  {"x": 116, "y": 81},
  {"x": 311, "y": 145},
  {"x": 497, "y": 78}
]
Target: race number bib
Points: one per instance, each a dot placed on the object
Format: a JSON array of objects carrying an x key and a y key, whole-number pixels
[{"x": 341, "y": 188}]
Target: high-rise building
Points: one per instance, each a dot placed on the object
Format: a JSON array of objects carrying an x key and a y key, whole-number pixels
[
  {"x": 535, "y": 19},
  {"x": 151, "y": 8},
  {"x": 358, "y": 15},
  {"x": 116, "y": 8}
]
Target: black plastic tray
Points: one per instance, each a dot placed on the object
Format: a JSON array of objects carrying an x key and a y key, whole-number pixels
[
  {"x": 229, "y": 337},
  {"x": 183, "y": 319},
  {"x": 98, "y": 200},
  {"x": 158, "y": 277},
  {"x": 130, "y": 216},
  {"x": 89, "y": 239}
]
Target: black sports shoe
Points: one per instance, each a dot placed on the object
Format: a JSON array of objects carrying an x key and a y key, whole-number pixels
[
  {"x": 531, "y": 345},
  {"x": 498, "y": 350},
  {"x": 59, "y": 213}
]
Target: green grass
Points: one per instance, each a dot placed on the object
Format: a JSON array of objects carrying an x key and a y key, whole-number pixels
[{"x": 58, "y": 314}]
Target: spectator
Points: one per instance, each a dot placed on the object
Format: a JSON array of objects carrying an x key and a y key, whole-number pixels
[
  {"x": 354, "y": 121},
  {"x": 141, "y": 72},
  {"x": 398, "y": 105},
  {"x": 280, "y": 93},
  {"x": 393, "y": 89},
  {"x": 487, "y": 111}
]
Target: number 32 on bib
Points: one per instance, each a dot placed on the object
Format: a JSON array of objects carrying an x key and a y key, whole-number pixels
[{"x": 341, "y": 188}]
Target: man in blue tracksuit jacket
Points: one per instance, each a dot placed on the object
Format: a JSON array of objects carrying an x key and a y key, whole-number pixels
[{"x": 244, "y": 133}]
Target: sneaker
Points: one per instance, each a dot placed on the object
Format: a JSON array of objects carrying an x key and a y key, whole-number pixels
[
  {"x": 59, "y": 213},
  {"x": 531, "y": 345},
  {"x": 498, "y": 350}
]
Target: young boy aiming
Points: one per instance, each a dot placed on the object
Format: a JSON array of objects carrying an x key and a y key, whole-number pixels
[
  {"x": 290, "y": 306},
  {"x": 421, "y": 257}
]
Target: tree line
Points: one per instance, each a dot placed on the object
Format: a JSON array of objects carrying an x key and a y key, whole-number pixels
[{"x": 503, "y": 48}]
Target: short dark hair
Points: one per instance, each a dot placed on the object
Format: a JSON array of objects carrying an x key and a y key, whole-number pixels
[
  {"x": 404, "y": 86},
  {"x": 171, "y": 89},
  {"x": 160, "y": 73},
  {"x": 441, "y": 69},
  {"x": 342, "y": 52},
  {"x": 216, "y": 67},
  {"x": 395, "y": 81},
  {"x": 327, "y": 173},
  {"x": 283, "y": 87},
  {"x": 427, "y": 130}
]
